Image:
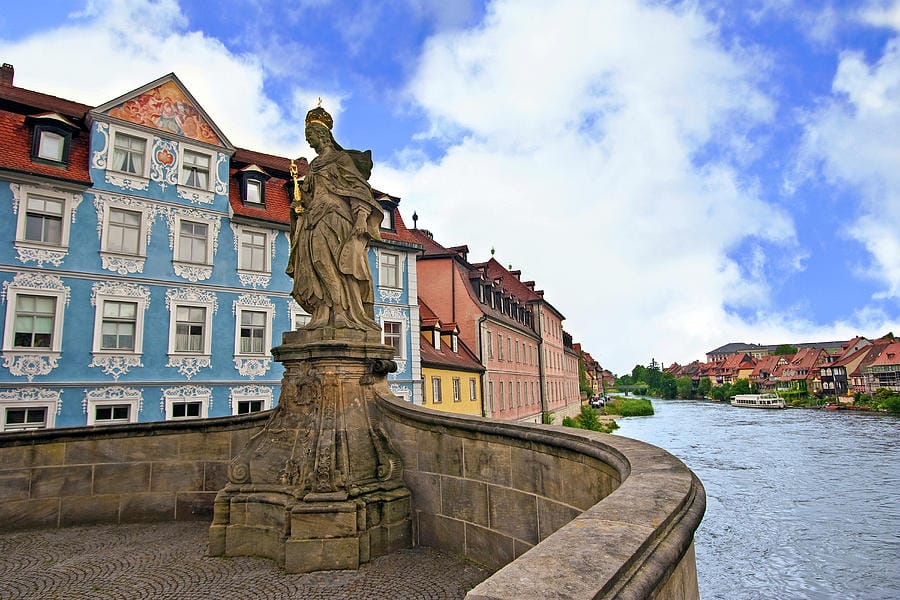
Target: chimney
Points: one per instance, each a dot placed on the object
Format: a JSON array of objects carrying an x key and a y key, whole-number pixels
[{"x": 6, "y": 74}]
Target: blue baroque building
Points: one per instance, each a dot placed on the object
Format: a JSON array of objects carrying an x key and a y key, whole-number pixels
[{"x": 142, "y": 266}]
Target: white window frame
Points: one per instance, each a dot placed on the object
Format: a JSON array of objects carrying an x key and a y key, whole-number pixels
[
  {"x": 25, "y": 192},
  {"x": 299, "y": 317},
  {"x": 12, "y": 295},
  {"x": 473, "y": 389},
  {"x": 93, "y": 405},
  {"x": 46, "y": 135},
  {"x": 266, "y": 402},
  {"x": 143, "y": 211},
  {"x": 140, "y": 309},
  {"x": 172, "y": 397},
  {"x": 395, "y": 270},
  {"x": 401, "y": 352},
  {"x": 116, "y": 130},
  {"x": 436, "y": 391},
  {"x": 207, "y": 328},
  {"x": 269, "y": 312},
  {"x": 50, "y": 415},
  {"x": 178, "y": 241},
  {"x": 259, "y": 185},
  {"x": 211, "y": 173},
  {"x": 267, "y": 250},
  {"x": 457, "y": 390}
]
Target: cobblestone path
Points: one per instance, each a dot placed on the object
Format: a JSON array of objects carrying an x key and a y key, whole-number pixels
[{"x": 168, "y": 561}]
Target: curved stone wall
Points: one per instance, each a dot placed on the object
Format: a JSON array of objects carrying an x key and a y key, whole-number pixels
[
  {"x": 560, "y": 512},
  {"x": 118, "y": 473}
]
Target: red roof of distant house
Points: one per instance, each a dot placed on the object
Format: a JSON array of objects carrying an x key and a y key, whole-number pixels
[
  {"x": 888, "y": 357},
  {"x": 462, "y": 359},
  {"x": 508, "y": 280}
]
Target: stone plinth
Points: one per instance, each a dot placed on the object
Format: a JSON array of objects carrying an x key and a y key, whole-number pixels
[{"x": 320, "y": 486}]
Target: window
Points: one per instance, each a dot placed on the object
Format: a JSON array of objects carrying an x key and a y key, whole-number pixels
[
  {"x": 436, "y": 390},
  {"x": 112, "y": 413},
  {"x": 254, "y": 193},
  {"x": 186, "y": 410},
  {"x": 491, "y": 395},
  {"x": 128, "y": 153},
  {"x": 389, "y": 270},
  {"x": 123, "y": 233},
  {"x": 490, "y": 345},
  {"x": 253, "y": 332},
  {"x": 51, "y": 146},
  {"x": 44, "y": 220},
  {"x": 119, "y": 325},
  {"x": 456, "y": 390},
  {"x": 300, "y": 318},
  {"x": 193, "y": 246},
  {"x": 34, "y": 321},
  {"x": 499, "y": 347},
  {"x": 500, "y": 395},
  {"x": 387, "y": 218},
  {"x": 249, "y": 406},
  {"x": 392, "y": 335},
  {"x": 253, "y": 245},
  {"x": 473, "y": 390},
  {"x": 190, "y": 329},
  {"x": 26, "y": 417},
  {"x": 509, "y": 391},
  {"x": 195, "y": 169}
]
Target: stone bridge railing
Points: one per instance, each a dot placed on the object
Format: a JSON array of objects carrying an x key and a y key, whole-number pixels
[{"x": 558, "y": 512}]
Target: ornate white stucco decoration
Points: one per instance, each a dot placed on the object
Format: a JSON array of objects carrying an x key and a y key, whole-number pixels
[
  {"x": 188, "y": 366},
  {"x": 163, "y": 166},
  {"x": 98, "y": 159},
  {"x": 401, "y": 367},
  {"x": 32, "y": 395},
  {"x": 252, "y": 367},
  {"x": 252, "y": 301},
  {"x": 221, "y": 186},
  {"x": 388, "y": 295},
  {"x": 28, "y": 364},
  {"x": 191, "y": 294},
  {"x": 194, "y": 195},
  {"x": 127, "y": 182},
  {"x": 254, "y": 279},
  {"x": 401, "y": 391},
  {"x": 28, "y": 252},
  {"x": 190, "y": 271},
  {"x": 185, "y": 393},
  {"x": 116, "y": 365},
  {"x": 262, "y": 392},
  {"x": 119, "y": 263},
  {"x": 113, "y": 394},
  {"x": 119, "y": 288}
]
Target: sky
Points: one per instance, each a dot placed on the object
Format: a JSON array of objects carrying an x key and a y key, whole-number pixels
[{"x": 674, "y": 175}]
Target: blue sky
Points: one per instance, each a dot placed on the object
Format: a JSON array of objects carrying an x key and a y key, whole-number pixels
[{"x": 674, "y": 175}]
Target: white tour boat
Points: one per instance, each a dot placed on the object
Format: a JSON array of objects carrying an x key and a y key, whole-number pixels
[{"x": 758, "y": 401}]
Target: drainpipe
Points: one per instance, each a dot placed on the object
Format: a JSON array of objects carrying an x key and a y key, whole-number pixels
[{"x": 481, "y": 359}]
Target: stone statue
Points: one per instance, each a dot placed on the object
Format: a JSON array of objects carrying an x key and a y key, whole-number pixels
[{"x": 332, "y": 221}]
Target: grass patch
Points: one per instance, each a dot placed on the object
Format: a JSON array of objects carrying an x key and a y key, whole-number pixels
[{"x": 629, "y": 407}]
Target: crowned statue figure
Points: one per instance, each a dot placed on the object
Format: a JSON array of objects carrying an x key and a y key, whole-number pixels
[{"x": 334, "y": 216}]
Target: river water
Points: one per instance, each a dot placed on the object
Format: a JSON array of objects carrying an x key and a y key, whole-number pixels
[{"x": 800, "y": 503}]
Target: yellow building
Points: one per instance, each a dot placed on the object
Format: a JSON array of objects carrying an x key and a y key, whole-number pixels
[{"x": 451, "y": 373}]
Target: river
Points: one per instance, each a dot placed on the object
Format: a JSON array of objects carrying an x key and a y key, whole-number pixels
[{"x": 800, "y": 503}]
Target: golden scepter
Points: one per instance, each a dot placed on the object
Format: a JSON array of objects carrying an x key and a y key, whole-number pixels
[{"x": 297, "y": 204}]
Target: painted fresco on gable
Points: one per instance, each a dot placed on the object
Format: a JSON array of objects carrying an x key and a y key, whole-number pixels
[{"x": 168, "y": 109}]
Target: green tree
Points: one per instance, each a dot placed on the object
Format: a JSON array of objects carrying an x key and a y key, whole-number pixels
[
  {"x": 667, "y": 386},
  {"x": 685, "y": 387},
  {"x": 741, "y": 386},
  {"x": 720, "y": 392},
  {"x": 785, "y": 349},
  {"x": 703, "y": 387}
]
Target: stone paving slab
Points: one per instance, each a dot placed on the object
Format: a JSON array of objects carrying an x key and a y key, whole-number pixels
[{"x": 164, "y": 561}]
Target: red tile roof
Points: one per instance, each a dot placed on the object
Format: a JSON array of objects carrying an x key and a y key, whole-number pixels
[
  {"x": 508, "y": 281},
  {"x": 889, "y": 357}
]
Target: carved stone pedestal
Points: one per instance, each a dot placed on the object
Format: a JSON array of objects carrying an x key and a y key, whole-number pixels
[{"x": 319, "y": 487}]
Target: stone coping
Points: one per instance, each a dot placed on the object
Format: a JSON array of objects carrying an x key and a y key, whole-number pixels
[{"x": 632, "y": 544}]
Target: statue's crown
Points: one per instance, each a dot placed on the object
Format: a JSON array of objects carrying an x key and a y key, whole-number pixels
[{"x": 320, "y": 115}]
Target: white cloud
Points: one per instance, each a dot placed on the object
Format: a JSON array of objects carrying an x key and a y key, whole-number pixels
[
  {"x": 125, "y": 56},
  {"x": 582, "y": 125},
  {"x": 883, "y": 13},
  {"x": 853, "y": 138}
]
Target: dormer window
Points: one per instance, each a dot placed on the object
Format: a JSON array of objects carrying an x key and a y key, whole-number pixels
[
  {"x": 387, "y": 221},
  {"x": 52, "y": 139},
  {"x": 252, "y": 181}
]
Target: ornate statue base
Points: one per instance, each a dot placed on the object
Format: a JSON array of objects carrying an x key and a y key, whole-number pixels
[{"x": 319, "y": 487}]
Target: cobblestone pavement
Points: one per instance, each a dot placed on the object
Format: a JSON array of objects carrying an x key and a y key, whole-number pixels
[{"x": 169, "y": 561}]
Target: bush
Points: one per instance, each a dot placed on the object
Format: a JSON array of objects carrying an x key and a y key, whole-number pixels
[
  {"x": 588, "y": 419},
  {"x": 569, "y": 422},
  {"x": 629, "y": 407}
]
